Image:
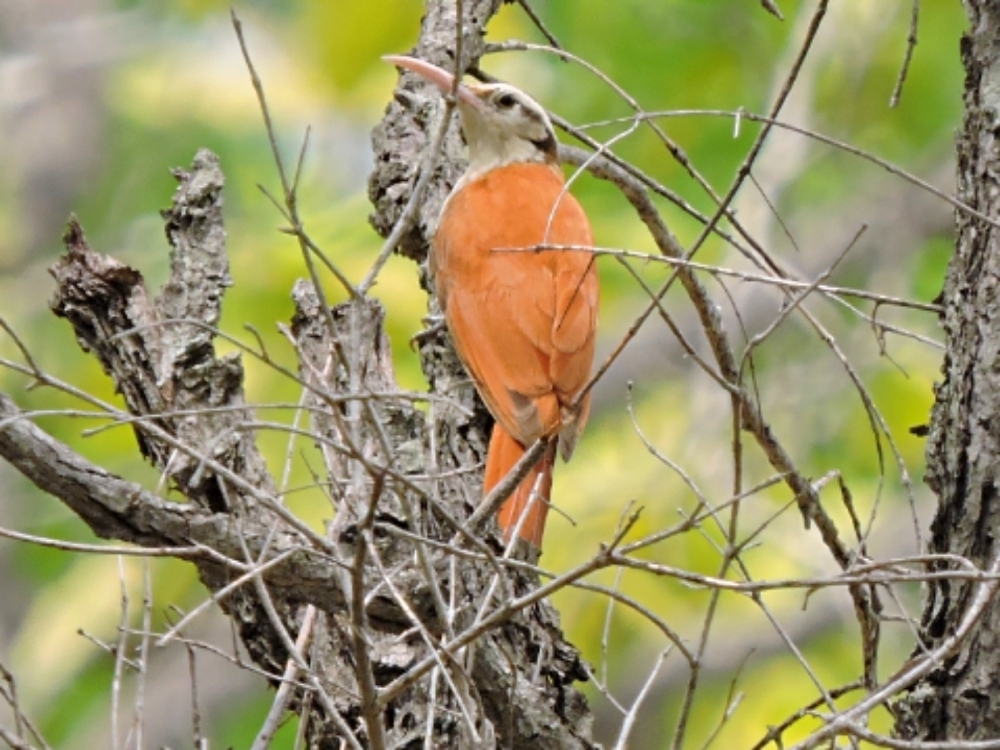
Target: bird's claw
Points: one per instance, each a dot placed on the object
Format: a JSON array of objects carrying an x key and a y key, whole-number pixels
[{"x": 434, "y": 324}]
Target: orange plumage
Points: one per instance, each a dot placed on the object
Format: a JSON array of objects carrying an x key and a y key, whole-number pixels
[{"x": 523, "y": 319}]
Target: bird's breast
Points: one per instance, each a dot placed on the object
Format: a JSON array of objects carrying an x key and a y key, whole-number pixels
[{"x": 504, "y": 216}]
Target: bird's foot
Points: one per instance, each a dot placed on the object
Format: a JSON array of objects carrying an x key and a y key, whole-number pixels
[{"x": 434, "y": 324}]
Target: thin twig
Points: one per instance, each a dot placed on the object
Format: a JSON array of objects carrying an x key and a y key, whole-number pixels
[
  {"x": 629, "y": 722},
  {"x": 284, "y": 693},
  {"x": 911, "y": 44}
]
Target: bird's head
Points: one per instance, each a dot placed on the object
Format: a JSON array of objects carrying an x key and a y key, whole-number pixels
[{"x": 502, "y": 125}]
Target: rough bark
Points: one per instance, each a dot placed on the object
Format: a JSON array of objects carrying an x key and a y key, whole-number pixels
[
  {"x": 400, "y": 141},
  {"x": 393, "y": 608},
  {"x": 960, "y": 698}
]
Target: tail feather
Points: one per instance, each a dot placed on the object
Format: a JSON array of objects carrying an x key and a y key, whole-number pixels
[{"x": 504, "y": 452}]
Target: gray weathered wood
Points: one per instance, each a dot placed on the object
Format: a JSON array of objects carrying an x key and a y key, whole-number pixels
[{"x": 959, "y": 699}]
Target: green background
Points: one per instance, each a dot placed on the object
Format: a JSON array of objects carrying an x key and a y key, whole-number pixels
[{"x": 99, "y": 99}]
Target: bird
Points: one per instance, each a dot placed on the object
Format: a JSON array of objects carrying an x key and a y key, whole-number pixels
[{"x": 522, "y": 318}]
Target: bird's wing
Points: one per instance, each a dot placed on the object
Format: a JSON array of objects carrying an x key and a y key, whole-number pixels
[{"x": 507, "y": 368}]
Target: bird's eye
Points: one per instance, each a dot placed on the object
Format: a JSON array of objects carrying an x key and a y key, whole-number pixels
[{"x": 505, "y": 101}]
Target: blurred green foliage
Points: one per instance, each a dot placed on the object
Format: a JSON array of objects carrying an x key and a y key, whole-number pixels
[{"x": 177, "y": 83}]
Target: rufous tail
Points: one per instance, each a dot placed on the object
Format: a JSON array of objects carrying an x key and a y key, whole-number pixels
[{"x": 504, "y": 452}]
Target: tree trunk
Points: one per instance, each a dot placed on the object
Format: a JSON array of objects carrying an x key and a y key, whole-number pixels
[
  {"x": 404, "y": 622},
  {"x": 959, "y": 699}
]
